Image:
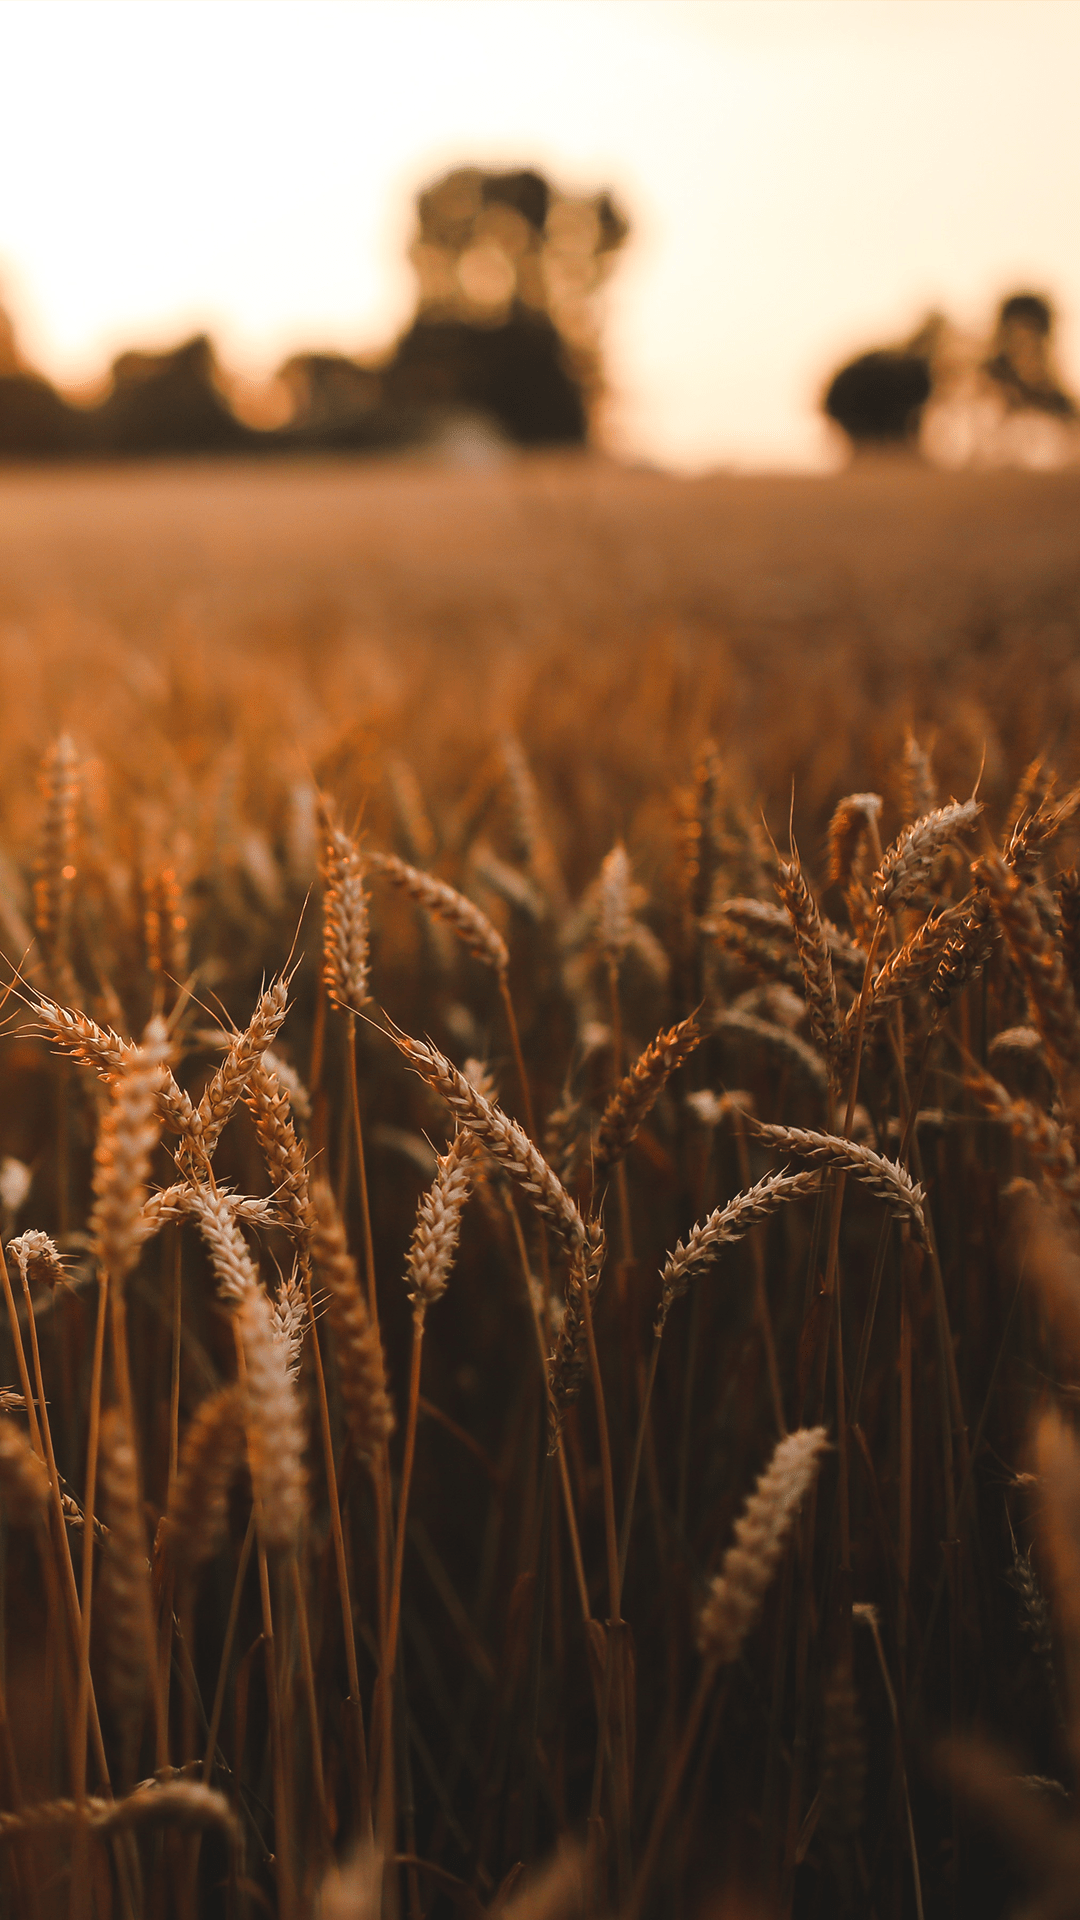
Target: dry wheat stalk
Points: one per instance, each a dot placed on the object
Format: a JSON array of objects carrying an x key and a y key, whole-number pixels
[
  {"x": 814, "y": 956},
  {"x": 462, "y": 916},
  {"x": 850, "y": 821},
  {"x": 176, "y": 1202},
  {"x": 919, "y": 788},
  {"x": 24, "y": 1483},
  {"x": 507, "y": 1143},
  {"x": 533, "y": 844},
  {"x": 614, "y": 904},
  {"x": 345, "y": 918},
  {"x": 1048, "y": 1143},
  {"x": 723, "y": 1226},
  {"x": 736, "y": 1593},
  {"x": 165, "y": 926},
  {"x": 438, "y": 1225},
  {"x": 640, "y": 1089},
  {"x": 908, "y": 969},
  {"x": 123, "y": 1597},
  {"x": 908, "y": 861},
  {"x": 37, "y": 1258},
  {"x": 55, "y": 868},
  {"x": 967, "y": 952},
  {"x": 886, "y": 1178},
  {"x": 361, "y": 1366},
  {"x": 99, "y": 1047},
  {"x": 211, "y": 1454},
  {"x": 246, "y": 1049},
  {"x": 126, "y": 1140},
  {"x": 1041, "y": 965},
  {"x": 275, "y": 1425},
  {"x": 285, "y": 1157},
  {"x": 290, "y": 1315},
  {"x": 234, "y": 1268}
]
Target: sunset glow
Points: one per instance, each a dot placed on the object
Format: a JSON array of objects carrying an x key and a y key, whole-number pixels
[{"x": 805, "y": 178}]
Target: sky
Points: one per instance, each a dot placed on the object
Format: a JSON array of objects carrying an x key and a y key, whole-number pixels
[{"x": 805, "y": 178}]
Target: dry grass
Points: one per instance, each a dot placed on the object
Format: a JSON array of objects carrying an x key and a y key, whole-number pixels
[{"x": 541, "y": 1156}]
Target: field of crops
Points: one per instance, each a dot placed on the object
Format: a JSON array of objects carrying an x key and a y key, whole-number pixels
[{"x": 539, "y": 1193}]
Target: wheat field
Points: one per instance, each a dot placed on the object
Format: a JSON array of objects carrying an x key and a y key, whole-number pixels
[{"x": 539, "y": 1192}]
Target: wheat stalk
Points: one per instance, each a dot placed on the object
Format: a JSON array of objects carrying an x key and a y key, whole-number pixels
[{"x": 736, "y": 1594}]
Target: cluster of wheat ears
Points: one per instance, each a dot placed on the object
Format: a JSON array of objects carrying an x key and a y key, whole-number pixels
[{"x": 706, "y": 1545}]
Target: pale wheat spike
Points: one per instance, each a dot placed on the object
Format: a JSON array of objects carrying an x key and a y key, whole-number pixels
[
  {"x": 175, "y": 1803},
  {"x": 461, "y": 915},
  {"x": 165, "y": 925},
  {"x": 850, "y": 821},
  {"x": 126, "y": 1140},
  {"x": 228, "y": 1084},
  {"x": 345, "y": 918},
  {"x": 723, "y": 1226},
  {"x": 176, "y": 1202},
  {"x": 919, "y": 788},
  {"x": 1041, "y": 965},
  {"x": 638, "y": 1092},
  {"x": 908, "y": 969},
  {"x": 738, "y": 1590},
  {"x": 37, "y": 1258},
  {"x": 275, "y": 1426},
  {"x": 24, "y": 1483},
  {"x": 107, "y": 1053},
  {"x": 910, "y": 858},
  {"x": 234, "y": 1268},
  {"x": 289, "y": 1309},
  {"x": 438, "y": 1225},
  {"x": 887, "y": 1178},
  {"x": 122, "y": 1601},
  {"x": 361, "y": 1367},
  {"x": 507, "y": 1143},
  {"x": 812, "y": 948},
  {"x": 615, "y": 915},
  {"x": 210, "y": 1456},
  {"x": 284, "y": 1154},
  {"x": 55, "y": 863}
]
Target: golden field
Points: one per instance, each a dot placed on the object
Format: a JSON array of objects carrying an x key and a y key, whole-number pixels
[{"x": 478, "y": 782}]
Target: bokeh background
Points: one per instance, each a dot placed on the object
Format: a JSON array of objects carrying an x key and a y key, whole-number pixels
[{"x": 804, "y": 178}]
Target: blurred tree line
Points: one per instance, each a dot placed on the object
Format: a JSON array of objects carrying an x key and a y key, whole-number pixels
[{"x": 506, "y": 336}]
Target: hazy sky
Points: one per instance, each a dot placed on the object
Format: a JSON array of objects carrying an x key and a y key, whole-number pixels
[{"x": 805, "y": 178}]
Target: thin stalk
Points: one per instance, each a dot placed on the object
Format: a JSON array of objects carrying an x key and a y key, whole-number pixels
[
  {"x": 361, "y": 1167},
  {"x": 354, "y": 1702},
  {"x": 308, "y": 1673},
  {"x": 226, "y": 1651},
  {"x": 80, "y": 1888},
  {"x": 670, "y": 1791},
  {"x": 519, "y": 1059}
]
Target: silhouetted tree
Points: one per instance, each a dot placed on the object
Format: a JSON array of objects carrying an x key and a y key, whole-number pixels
[{"x": 878, "y": 399}]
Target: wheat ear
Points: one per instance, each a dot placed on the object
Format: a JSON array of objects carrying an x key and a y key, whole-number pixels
[
  {"x": 724, "y": 1226},
  {"x": 361, "y": 1366},
  {"x": 345, "y": 918},
  {"x": 124, "y": 1590},
  {"x": 736, "y": 1594},
  {"x": 230, "y": 1081},
  {"x": 812, "y": 948},
  {"x": 505, "y": 1140},
  {"x": 438, "y": 1225},
  {"x": 275, "y": 1426},
  {"x": 461, "y": 915},
  {"x": 909, "y": 860},
  {"x": 126, "y": 1140},
  {"x": 887, "y": 1178},
  {"x": 640, "y": 1089},
  {"x": 210, "y": 1456},
  {"x": 1041, "y": 965},
  {"x": 55, "y": 863}
]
